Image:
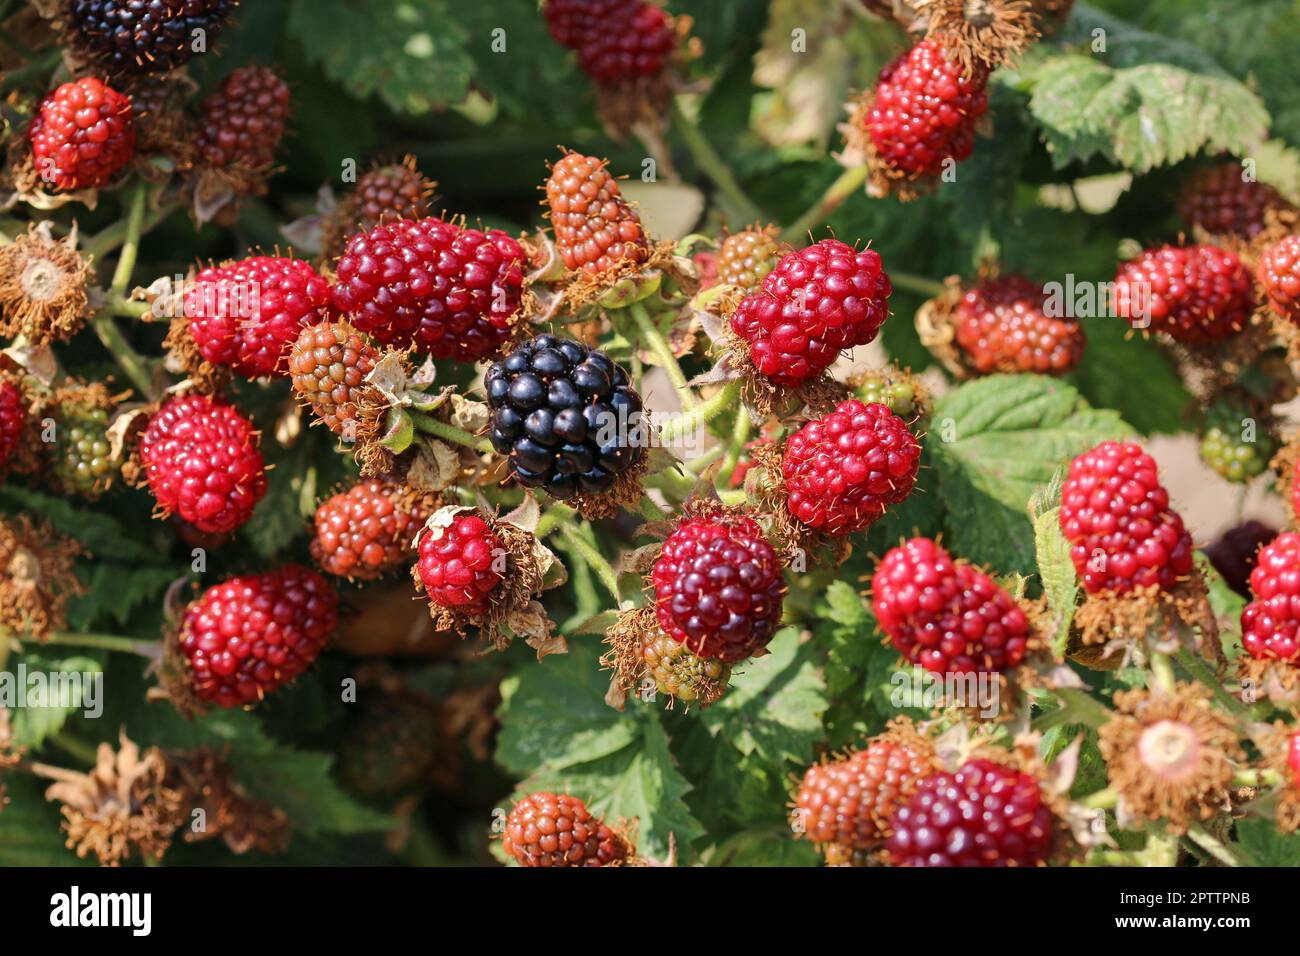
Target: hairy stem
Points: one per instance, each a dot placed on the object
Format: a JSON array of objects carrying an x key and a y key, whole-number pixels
[
  {"x": 431, "y": 426},
  {"x": 918, "y": 284},
  {"x": 1162, "y": 672},
  {"x": 111, "y": 237},
  {"x": 131, "y": 240},
  {"x": 103, "y": 642},
  {"x": 701, "y": 414},
  {"x": 128, "y": 359},
  {"x": 662, "y": 352},
  {"x": 595, "y": 560},
  {"x": 735, "y": 448},
  {"x": 714, "y": 166}
]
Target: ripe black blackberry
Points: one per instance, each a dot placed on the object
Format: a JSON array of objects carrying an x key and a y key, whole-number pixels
[
  {"x": 144, "y": 36},
  {"x": 566, "y": 415}
]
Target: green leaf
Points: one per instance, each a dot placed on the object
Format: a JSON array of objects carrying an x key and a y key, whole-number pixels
[
  {"x": 1060, "y": 584},
  {"x": 411, "y": 53},
  {"x": 1140, "y": 117},
  {"x": 32, "y": 724},
  {"x": 1267, "y": 847},
  {"x": 1227, "y": 605},
  {"x": 30, "y": 833},
  {"x": 299, "y": 783},
  {"x": 1148, "y": 394},
  {"x": 557, "y": 729},
  {"x": 115, "y": 589},
  {"x": 279, "y": 518},
  {"x": 97, "y": 531},
  {"x": 995, "y": 440}
]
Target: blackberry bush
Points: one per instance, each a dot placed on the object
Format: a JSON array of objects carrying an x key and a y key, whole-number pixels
[{"x": 794, "y": 433}]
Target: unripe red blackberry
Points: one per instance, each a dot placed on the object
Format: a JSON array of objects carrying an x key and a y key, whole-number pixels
[
  {"x": 545, "y": 829},
  {"x": 82, "y": 135},
  {"x": 328, "y": 364},
  {"x": 1278, "y": 272},
  {"x": 144, "y": 36},
  {"x": 946, "y": 615},
  {"x": 242, "y": 121},
  {"x": 815, "y": 304},
  {"x": 595, "y": 228},
  {"x": 617, "y": 41},
  {"x": 1195, "y": 294},
  {"x": 394, "y": 191},
  {"x": 249, "y": 635},
  {"x": 982, "y": 815},
  {"x": 745, "y": 258},
  {"x": 13, "y": 418},
  {"x": 1223, "y": 203},
  {"x": 445, "y": 289},
  {"x": 850, "y": 802},
  {"x": 1116, "y": 516},
  {"x": 718, "y": 587},
  {"x": 1001, "y": 326},
  {"x": 460, "y": 565},
  {"x": 245, "y": 315},
  {"x": 843, "y": 470},
  {"x": 925, "y": 110},
  {"x": 681, "y": 674},
  {"x": 202, "y": 462},
  {"x": 367, "y": 530},
  {"x": 83, "y": 462},
  {"x": 1271, "y": 621},
  {"x": 566, "y": 415},
  {"x": 1293, "y": 758}
]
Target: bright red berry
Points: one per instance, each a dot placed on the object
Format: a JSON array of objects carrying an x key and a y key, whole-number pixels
[
  {"x": 367, "y": 530},
  {"x": 844, "y": 469},
  {"x": 1002, "y": 327},
  {"x": 545, "y": 829},
  {"x": 946, "y": 615},
  {"x": 249, "y": 635},
  {"x": 1278, "y": 272},
  {"x": 1195, "y": 294},
  {"x": 850, "y": 802},
  {"x": 82, "y": 135},
  {"x": 445, "y": 289},
  {"x": 13, "y": 417},
  {"x": 1223, "y": 202},
  {"x": 245, "y": 314},
  {"x": 460, "y": 564},
  {"x": 1270, "y": 622},
  {"x": 982, "y": 815},
  {"x": 1116, "y": 516},
  {"x": 243, "y": 120},
  {"x": 202, "y": 462},
  {"x": 617, "y": 41},
  {"x": 1293, "y": 758},
  {"x": 925, "y": 110},
  {"x": 816, "y": 303},
  {"x": 718, "y": 587},
  {"x": 595, "y": 228}
]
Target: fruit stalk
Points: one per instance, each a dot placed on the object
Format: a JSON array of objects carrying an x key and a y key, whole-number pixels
[
  {"x": 663, "y": 353},
  {"x": 704, "y": 412},
  {"x": 714, "y": 166},
  {"x": 844, "y": 186},
  {"x": 431, "y": 426},
  {"x": 594, "y": 559}
]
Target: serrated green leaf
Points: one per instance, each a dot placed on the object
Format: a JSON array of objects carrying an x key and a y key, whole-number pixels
[
  {"x": 30, "y": 833},
  {"x": 1129, "y": 374},
  {"x": 114, "y": 590},
  {"x": 557, "y": 729},
  {"x": 1060, "y": 585},
  {"x": 33, "y": 724},
  {"x": 1143, "y": 116},
  {"x": 1266, "y": 846},
  {"x": 96, "y": 531},
  {"x": 995, "y": 440},
  {"x": 299, "y": 783},
  {"x": 411, "y": 53}
]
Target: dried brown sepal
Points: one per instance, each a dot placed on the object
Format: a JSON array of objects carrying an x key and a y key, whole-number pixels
[
  {"x": 184, "y": 357},
  {"x": 1170, "y": 755},
  {"x": 1272, "y": 680},
  {"x": 1274, "y": 741},
  {"x": 43, "y": 283},
  {"x": 936, "y": 325},
  {"x": 162, "y": 127},
  {"x": 582, "y": 288},
  {"x": 980, "y": 32},
  {"x": 124, "y": 805},
  {"x": 243, "y": 822},
  {"x": 216, "y": 193},
  {"x": 625, "y": 638},
  {"x": 1284, "y": 465},
  {"x": 512, "y": 609},
  {"x": 37, "y": 579},
  {"x": 1110, "y": 620}
]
